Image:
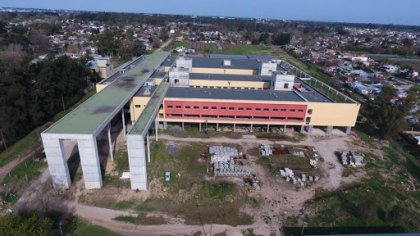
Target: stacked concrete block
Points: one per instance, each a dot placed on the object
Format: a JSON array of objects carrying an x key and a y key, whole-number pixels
[
  {"x": 352, "y": 159},
  {"x": 302, "y": 180},
  {"x": 265, "y": 150}
]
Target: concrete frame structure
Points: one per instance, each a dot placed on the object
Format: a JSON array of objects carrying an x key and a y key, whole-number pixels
[{"x": 242, "y": 90}]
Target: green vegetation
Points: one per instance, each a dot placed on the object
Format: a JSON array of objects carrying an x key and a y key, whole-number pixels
[
  {"x": 176, "y": 44},
  {"x": 143, "y": 219},
  {"x": 27, "y": 224},
  {"x": 79, "y": 227}
]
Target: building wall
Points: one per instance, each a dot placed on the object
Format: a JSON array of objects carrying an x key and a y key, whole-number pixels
[
  {"x": 229, "y": 84},
  {"x": 99, "y": 87},
  {"x": 223, "y": 71},
  {"x": 322, "y": 114},
  {"x": 137, "y": 105}
]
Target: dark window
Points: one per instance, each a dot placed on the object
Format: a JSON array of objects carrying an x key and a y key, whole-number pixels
[
  {"x": 248, "y": 109},
  {"x": 227, "y": 117},
  {"x": 278, "y": 118},
  {"x": 292, "y": 110},
  {"x": 178, "y": 107},
  {"x": 244, "y": 117},
  {"x": 209, "y": 116},
  {"x": 266, "y": 109},
  {"x": 300, "y": 110},
  {"x": 196, "y": 107},
  {"x": 205, "y": 107},
  {"x": 275, "y": 109},
  {"x": 309, "y": 111},
  {"x": 170, "y": 106},
  {"x": 283, "y": 109},
  {"x": 174, "y": 115},
  {"x": 286, "y": 85},
  {"x": 231, "y": 108},
  {"x": 240, "y": 108},
  {"x": 222, "y": 108},
  {"x": 308, "y": 120},
  {"x": 187, "y": 107},
  {"x": 137, "y": 106},
  {"x": 261, "y": 117},
  {"x": 258, "y": 109},
  {"x": 213, "y": 108},
  {"x": 190, "y": 115}
]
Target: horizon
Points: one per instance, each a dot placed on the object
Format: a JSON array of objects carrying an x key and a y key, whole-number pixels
[{"x": 338, "y": 12}]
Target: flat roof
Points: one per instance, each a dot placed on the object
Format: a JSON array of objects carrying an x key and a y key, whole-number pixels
[
  {"x": 234, "y": 94},
  {"x": 256, "y": 78},
  {"x": 101, "y": 107}
]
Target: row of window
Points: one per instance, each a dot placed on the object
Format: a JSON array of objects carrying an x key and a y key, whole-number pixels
[
  {"x": 233, "y": 108},
  {"x": 224, "y": 87},
  {"x": 235, "y": 117}
]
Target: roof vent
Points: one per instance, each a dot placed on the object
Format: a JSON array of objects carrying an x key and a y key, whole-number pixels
[{"x": 227, "y": 62}]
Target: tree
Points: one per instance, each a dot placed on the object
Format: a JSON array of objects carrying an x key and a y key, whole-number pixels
[
  {"x": 164, "y": 34},
  {"x": 281, "y": 39},
  {"x": 387, "y": 113},
  {"x": 27, "y": 224}
]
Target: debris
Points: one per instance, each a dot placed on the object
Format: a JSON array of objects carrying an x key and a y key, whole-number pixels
[
  {"x": 125, "y": 175},
  {"x": 265, "y": 150},
  {"x": 351, "y": 158}
]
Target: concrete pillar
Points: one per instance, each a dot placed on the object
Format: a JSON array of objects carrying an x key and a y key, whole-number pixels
[
  {"x": 234, "y": 127},
  {"x": 329, "y": 130},
  {"x": 123, "y": 123},
  {"x": 89, "y": 160},
  {"x": 284, "y": 129},
  {"x": 217, "y": 126},
  {"x": 148, "y": 147},
  {"x": 268, "y": 128},
  {"x": 251, "y": 128},
  {"x": 199, "y": 126},
  {"x": 111, "y": 151},
  {"x": 165, "y": 125},
  {"x": 156, "y": 131},
  {"x": 310, "y": 128},
  {"x": 348, "y": 129},
  {"x": 183, "y": 126},
  {"x": 137, "y": 162},
  {"x": 57, "y": 163},
  {"x": 302, "y": 128}
]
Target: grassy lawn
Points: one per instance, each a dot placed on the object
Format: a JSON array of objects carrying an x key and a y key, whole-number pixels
[
  {"x": 176, "y": 44},
  {"x": 80, "y": 227}
]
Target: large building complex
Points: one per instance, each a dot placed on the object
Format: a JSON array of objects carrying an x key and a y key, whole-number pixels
[{"x": 157, "y": 90}]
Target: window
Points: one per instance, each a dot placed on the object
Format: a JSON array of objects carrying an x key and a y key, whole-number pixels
[
  {"x": 137, "y": 106},
  {"x": 209, "y": 116},
  {"x": 213, "y": 108},
  {"x": 222, "y": 108},
  {"x": 308, "y": 120},
  {"x": 170, "y": 106},
  {"x": 258, "y": 109},
  {"x": 178, "y": 107},
  {"x": 286, "y": 85},
  {"x": 187, "y": 107},
  {"x": 196, "y": 107},
  {"x": 309, "y": 111},
  {"x": 292, "y": 110},
  {"x": 205, "y": 108},
  {"x": 275, "y": 109},
  {"x": 240, "y": 108},
  {"x": 249, "y": 109},
  {"x": 300, "y": 110},
  {"x": 244, "y": 117},
  {"x": 283, "y": 109},
  {"x": 190, "y": 115},
  {"x": 266, "y": 109},
  {"x": 231, "y": 108}
]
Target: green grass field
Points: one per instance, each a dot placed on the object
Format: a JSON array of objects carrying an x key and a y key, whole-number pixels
[{"x": 80, "y": 227}]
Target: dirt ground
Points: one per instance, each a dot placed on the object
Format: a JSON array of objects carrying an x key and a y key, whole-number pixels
[{"x": 276, "y": 198}]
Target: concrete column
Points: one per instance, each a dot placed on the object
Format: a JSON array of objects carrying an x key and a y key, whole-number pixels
[
  {"x": 348, "y": 129},
  {"x": 251, "y": 128},
  {"x": 89, "y": 160},
  {"x": 284, "y": 129},
  {"x": 234, "y": 127},
  {"x": 148, "y": 147},
  {"x": 310, "y": 128},
  {"x": 329, "y": 130},
  {"x": 183, "y": 126},
  {"x": 123, "y": 123},
  {"x": 111, "y": 151},
  {"x": 57, "y": 163},
  {"x": 217, "y": 126},
  {"x": 165, "y": 125},
  {"x": 137, "y": 162},
  {"x": 268, "y": 128},
  {"x": 199, "y": 126},
  {"x": 156, "y": 131},
  {"x": 302, "y": 128}
]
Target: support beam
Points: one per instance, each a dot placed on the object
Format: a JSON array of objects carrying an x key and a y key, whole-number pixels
[
  {"x": 284, "y": 129},
  {"x": 199, "y": 126},
  {"x": 57, "y": 163},
  {"x": 156, "y": 131},
  {"x": 111, "y": 151},
  {"x": 302, "y": 129},
  {"x": 89, "y": 160},
  {"x": 268, "y": 128},
  {"x": 251, "y": 128},
  {"x": 329, "y": 130},
  {"x": 183, "y": 126},
  {"x": 310, "y": 128},
  {"x": 165, "y": 125},
  {"x": 217, "y": 126},
  {"x": 123, "y": 123},
  {"x": 137, "y": 162},
  {"x": 148, "y": 147},
  {"x": 234, "y": 127},
  {"x": 348, "y": 129}
]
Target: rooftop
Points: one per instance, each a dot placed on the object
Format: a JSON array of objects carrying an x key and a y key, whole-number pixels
[
  {"x": 200, "y": 76},
  {"x": 88, "y": 117},
  {"x": 234, "y": 94}
]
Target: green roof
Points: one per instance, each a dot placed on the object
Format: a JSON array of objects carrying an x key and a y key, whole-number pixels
[
  {"x": 150, "y": 111},
  {"x": 103, "y": 106}
]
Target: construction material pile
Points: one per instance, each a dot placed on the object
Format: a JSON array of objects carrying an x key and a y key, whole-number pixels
[
  {"x": 351, "y": 158},
  {"x": 222, "y": 159},
  {"x": 302, "y": 180},
  {"x": 265, "y": 150},
  {"x": 314, "y": 160}
]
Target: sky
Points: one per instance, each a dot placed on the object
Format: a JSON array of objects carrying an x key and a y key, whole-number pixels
[{"x": 405, "y": 12}]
